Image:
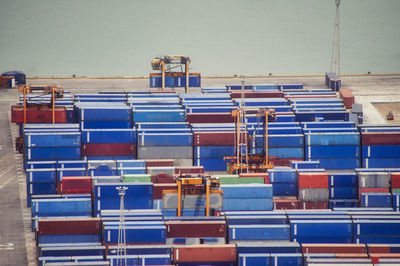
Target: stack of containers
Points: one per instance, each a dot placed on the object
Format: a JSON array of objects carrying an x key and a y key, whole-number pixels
[
  {"x": 285, "y": 141},
  {"x": 335, "y": 148},
  {"x": 172, "y": 144},
  {"x": 51, "y": 142},
  {"x": 380, "y": 146},
  {"x": 71, "y": 230},
  {"x": 343, "y": 189},
  {"x": 208, "y": 107},
  {"x": 320, "y": 227},
  {"x": 374, "y": 188},
  {"x": 107, "y": 129},
  {"x": 40, "y": 181},
  {"x": 284, "y": 182},
  {"x": 210, "y": 142},
  {"x": 310, "y": 108},
  {"x": 333, "y": 81},
  {"x": 284, "y": 112},
  {"x": 162, "y": 131},
  {"x": 313, "y": 190},
  {"x": 136, "y": 232},
  {"x": 210, "y": 148},
  {"x": 131, "y": 167},
  {"x": 137, "y": 196},
  {"x": 257, "y": 226},
  {"x": 247, "y": 197}
]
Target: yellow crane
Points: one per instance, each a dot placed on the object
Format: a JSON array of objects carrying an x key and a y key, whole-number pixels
[
  {"x": 191, "y": 190},
  {"x": 164, "y": 63}
]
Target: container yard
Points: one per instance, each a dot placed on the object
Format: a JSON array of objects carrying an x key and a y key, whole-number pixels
[{"x": 189, "y": 170}]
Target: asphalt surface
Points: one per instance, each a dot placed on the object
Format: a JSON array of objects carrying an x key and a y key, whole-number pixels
[
  {"x": 12, "y": 230},
  {"x": 17, "y": 246}
]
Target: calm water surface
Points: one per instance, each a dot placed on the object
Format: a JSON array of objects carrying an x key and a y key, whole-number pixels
[{"x": 104, "y": 37}]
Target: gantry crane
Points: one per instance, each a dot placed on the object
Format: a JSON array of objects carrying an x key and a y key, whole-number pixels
[
  {"x": 55, "y": 91},
  {"x": 164, "y": 64},
  {"x": 243, "y": 160},
  {"x": 190, "y": 193}
]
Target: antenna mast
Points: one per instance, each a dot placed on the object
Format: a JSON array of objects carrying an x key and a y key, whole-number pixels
[
  {"x": 335, "y": 58},
  {"x": 121, "y": 251}
]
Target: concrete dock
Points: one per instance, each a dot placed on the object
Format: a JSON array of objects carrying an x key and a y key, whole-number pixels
[{"x": 378, "y": 94}]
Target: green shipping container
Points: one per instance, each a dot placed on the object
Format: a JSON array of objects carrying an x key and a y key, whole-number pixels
[
  {"x": 241, "y": 180},
  {"x": 136, "y": 178}
]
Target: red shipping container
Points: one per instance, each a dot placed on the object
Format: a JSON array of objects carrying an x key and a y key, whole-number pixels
[
  {"x": 378, "y": 248},
  {"x": 395, "y": 177},
  {"x": 38, "y": 114},
  {"x": 225, "y": 138},
  {"x": 159, "y": 162},
  {"x": 334, "y": 248},
  {"x": 286, "y": 203},
  {"x": 109, "y": 149},
  {"x": 162, "y": 179},
  {"x": 253, "y": 94},
  {"x": 380, "y": 138},
  {"x": 311, "y": 205},
  {"x": 159, "y": 188},
  {"x": 70, "y": 226},
  {"x": 375, "y": 257},
  {"x": 209, "y": 118},
  {"x": 372, "y": 190},
  {"x": 282, "y": 162},
  {"x": 265, "y": 175},
  {"x": 75, "y": 185},
  {"x": 183, "y": 170},
  {"x": 313, "y": 180},
  {"x": 348, "y": 98},
  {"x": 200, "y": 253},
  {"x": 183, "y": 229}
]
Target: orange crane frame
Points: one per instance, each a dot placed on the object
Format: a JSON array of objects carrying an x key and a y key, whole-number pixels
[
  {"x": 259, "y": 162},
  {"x": 56, "y": 92}
]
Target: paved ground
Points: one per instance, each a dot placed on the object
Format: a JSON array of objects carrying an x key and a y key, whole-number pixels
[
  {"x": 15, "y": 217},
  {"x": 16, "y": 240}
]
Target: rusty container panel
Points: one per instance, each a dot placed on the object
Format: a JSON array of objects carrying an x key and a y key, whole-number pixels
[
  {"x": 395, "y": 177},
  {"x": 286, "y": 203},
  {"x": 209, "y": 118},
  {"x": 225, "y": 138},
  {"x": 109, "y": 149},
  {"x": 38, "y": 115},
  {"x": 199, "y": 253},
  {"x": 159, "y": 162},
  {"x": 162, "y": 178},
  {"x": 313, "y": 180},
  {"x": 380, "y": 138},
  {"x": 70, "y": 226},
  {"x": 75, "y": 185},
  {"x": 335, "y": 248},
  {"x": 186, "y": 229}
]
